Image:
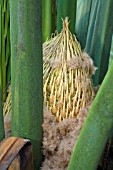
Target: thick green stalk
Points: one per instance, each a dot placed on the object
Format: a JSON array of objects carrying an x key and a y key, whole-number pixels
[
  {"x": 0, "y": 46},
  {"x": 46, "y": 19},
  {"x": 3, "y": 51},
  {"x": 82, "y": 20},
  {"x": 99, "y": 36},
  {"x": 7, "y": 42},
  {"x": 96, "y": 129},
  {"x": 27, "y": 73},
  {"x": 65, "y": 9},
  {"x": 2, "y": 133}
]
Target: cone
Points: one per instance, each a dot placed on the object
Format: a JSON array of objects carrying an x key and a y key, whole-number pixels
[{"x": 67, "y": 72}]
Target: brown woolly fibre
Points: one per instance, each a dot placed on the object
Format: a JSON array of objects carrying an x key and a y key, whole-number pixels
[{"x": 59, "y": 139}]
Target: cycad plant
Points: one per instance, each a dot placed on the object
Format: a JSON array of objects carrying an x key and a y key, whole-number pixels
[{"x": 67, "y": 72}]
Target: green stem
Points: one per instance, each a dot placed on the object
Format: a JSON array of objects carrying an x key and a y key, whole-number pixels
[
  {"x": 65, "y": 9},
  {"x": 99, "y": 36},
  {"x": 82, "y": 20},
  {"x": 2, "y": 132},
  {"x": 27, "y": 73},
  {"x": 4, "y": 45},
  {"x": 46, "y": 19},
  {"x": 96, "y": 129},
  {"x": 8, "y": 53}
]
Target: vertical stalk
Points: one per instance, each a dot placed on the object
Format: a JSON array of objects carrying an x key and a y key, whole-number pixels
[
  {"x": 27, "y": 73},
  {"x": 99, "y": 36},
  {"x": 96, "y": 129},
  {"x": 66, "y": 8},
  {"x": 5, "y": 46},
  {"x": 3, "y": 51},
  {"x": 0, "y": 46},
  {"x": 82, "y": 20},
  {"x": 46, "y": 19},
  {"x": 2, "y": 132}
]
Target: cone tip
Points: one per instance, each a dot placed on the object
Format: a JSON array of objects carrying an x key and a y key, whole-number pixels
[{"x": 66, "y": 23}]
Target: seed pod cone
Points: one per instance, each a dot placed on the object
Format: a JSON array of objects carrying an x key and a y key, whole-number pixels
[{"x": 67, "y": 75}]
